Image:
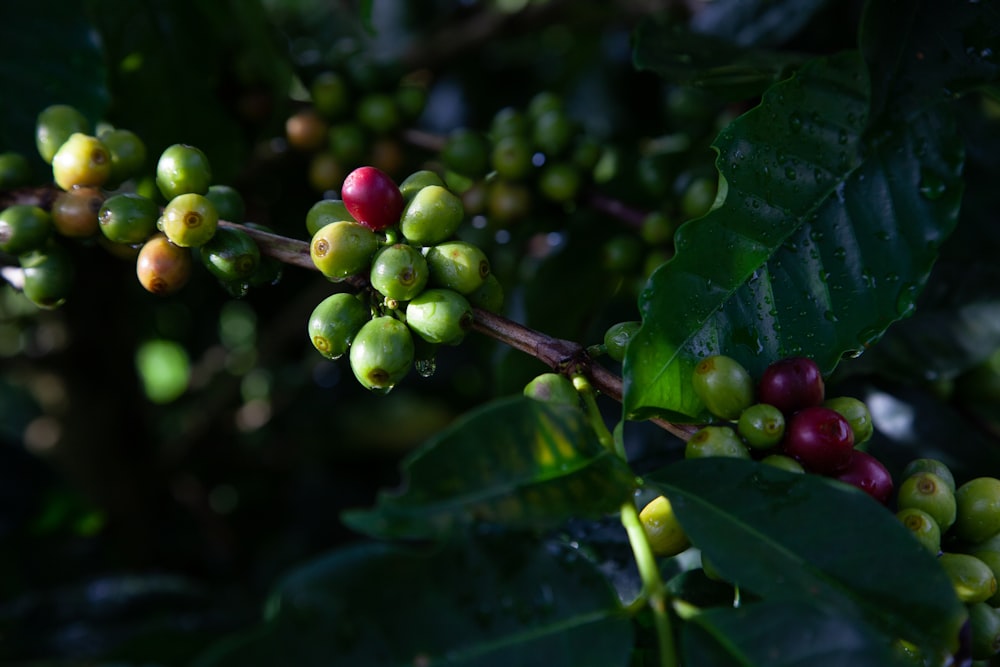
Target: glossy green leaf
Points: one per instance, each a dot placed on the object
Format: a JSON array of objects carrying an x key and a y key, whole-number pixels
[
  {"x": 499, "y": 602},
  {"x": 707, "y": 61},
  {"x": 515, "y": 462},
  {"x": 823, "y": 240},
  {"x": 64, "y": 67},
  {"x": 783, "y": 535},
  {"x": 784, "y": 633}
]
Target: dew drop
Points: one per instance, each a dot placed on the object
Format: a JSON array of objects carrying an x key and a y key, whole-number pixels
[
  {"x": 425, "y": 367},
  {"x": 795, "y": 122},
  {"x": 790, "y": 173}
]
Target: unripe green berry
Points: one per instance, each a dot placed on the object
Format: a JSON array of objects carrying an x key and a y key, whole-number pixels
[
  {"x": 552, "y": 132},
  {"x": 458, "y": 265},
  {"x": 270, "y": 269},
  {"x": 972, "y": 579},
  {"x": 348, "y": 143},
  {"x": 324, "y": 212},
  {"x": 552, "y": 388},
  {"x": 978, "y": 509},
  {"x": 128, "y": 154},
  {"x": 432, "y": 216},
  {"x": 783, "y": 462},
  {"x": 189, "y": 220},
  {"x": 723, "y": 385},
  {"x": 14, "y": 170},
  {"x": 182, "y": 169},
  {"x": 48, "y": 275},
  {"x": 665, "y": 534},
  {"x": 331, "y": 94},
  {"x": 698, "y": 198},
  {"x": 511, "y": 157},
  {"x": 857, "y": 415},
  {"x": 54, "y": 125},
  {"x": 488, "y": 296},
  {"x": 923, "y": 526},
  {"x": 928, "y": 492},
  {"x": 617, "y": 338},
  {"x": 378, "y": 112},
  {"x": 410, "y": 99},
  {"x": 992, "y": 558},
  {"x": 399, "y": 272},
  {"x": 657, "y": 228},
  {"x": 761, "y": 425},
  {"x": 440, "y": 316},
  {"x": 382, "y": 353},
  {"x": 507, "y": 122},
  {"x": 342, "y": 249},
  {"x": 228, "y": 202},
  {"x": 81, "y": 161},
  {"x": 417, "y": 181},
  {"x": 560, "y": 182},
  {"x": 128, "y": 218},
  {"x": 715, "y": 441},
  {"x": 23, "y": 228},
  {"x": 334, "y": 323},
  {"x": 544, "y": 101},
  {"x": 621, "y": 253},
  {"x": 930, "y": 465},
  {"x": 466, "y": 152},
  {"x": 231, "y": 255},
  {"x": 984, "y": 623}
]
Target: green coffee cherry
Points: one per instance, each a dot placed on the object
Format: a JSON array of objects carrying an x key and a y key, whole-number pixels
[
  {"x": 432, "y": 216},
  {"x": 552, "y": 388},
  {"x": 507, "y": 122},
  {"x": 930, "y": 465},
  {"x": 761, "y": 425},
  {"x": 399, "y": 272},
  {"x": 331, "y": 94},
  {"x": 325, "y": 211},
  {"x": 992, "y": 559},
  {"x": 189, "y": 220},
  {"x": 270, "y": 269},
  {"x": 410, "y": 99},
  {"x": 417, "y": 181},
  {"x": 972, "y": 579},
  {"x": 923, "y": 526},
  {"x": 511, "y": 157},
  {"x": 984, "y": 622},
  {"x": 699, "y": 196},
  {"x": 228, "y": 202},
  {"x": 48, "y": 275},
  {"x": 723, "y": 385},
  {"x": 928, "y": 492},
  {"x": 617, "y": 338},
  {"x": 347, "y": 142},
  {"x": 857, "y": 415},
  {"x": 128, "y": 154},
  {"x": 560, "y": 182},
  {"x": 552, "y": 131},
  {"x": 334, "y": 323},
  {"x": 231, "y": 255},
  {"x": 466, "y": 152},
  {"x": 978, "y": 509},
  {"x": 24, "y": 227},
  {"x": 665, "y": 534},
  {"x": 783, "y": 462},
  {"x": 128, "y": 218},
  {"x": 543, "y": 102},
  {"x": 54, "y": 125},
  {"x": 82, "y": 160},
  {"x": 342, "y": 249},
  {"x": 715, "y": 441},
  {"x": 14, "y": 170},
  {"x": 440, "y": 316},
  {"x": 657, "y": 228},
  {"x": 378, "y": 112},
  {"x": 382, "y": 353},
  {"x": 458, "y": 265},
  {"x": 183, "y": 169},
  {"x": 488, "y": 296}
]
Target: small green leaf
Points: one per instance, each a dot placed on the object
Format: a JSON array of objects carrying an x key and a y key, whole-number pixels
[
  {"x": 500, "y": 602},
  {"x": 782, "y": 535},
  {"x": 784, "y": 633},
  {"x": 707, "y": 61},
  {"x": 515, "y": 462},
  {"x": 823, "y": 240}
]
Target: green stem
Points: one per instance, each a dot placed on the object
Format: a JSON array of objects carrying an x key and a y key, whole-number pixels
[
  {"x": 604, "y": 436},
  {"x": 652, "y": 583}
]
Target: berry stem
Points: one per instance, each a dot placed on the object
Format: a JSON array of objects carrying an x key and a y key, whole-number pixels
[
  {"x": 652, "y": 583},
  {"x": 586, "y": 391}
]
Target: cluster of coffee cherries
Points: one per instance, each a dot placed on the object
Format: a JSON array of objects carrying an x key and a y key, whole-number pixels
[
  {"x": 92, "y": 171},
  {"x": 419, "y": 282},
  {"x": 786, "y": 420},
  {"x": 353, "y": 117},
  {"x": 527, "y": 153},
  {"x": 961, "y": 526}
]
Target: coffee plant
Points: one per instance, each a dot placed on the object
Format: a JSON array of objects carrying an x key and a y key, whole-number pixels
[{"x": 500, "y": 333}]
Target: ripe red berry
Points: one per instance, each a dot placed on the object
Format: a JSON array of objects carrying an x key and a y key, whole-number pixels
[
  {"x": 820, "y": 439},
  {"x": 791, "y": 384},
  {"x": 868, "y": 474},
  {"x": 372, "y": 197}
]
